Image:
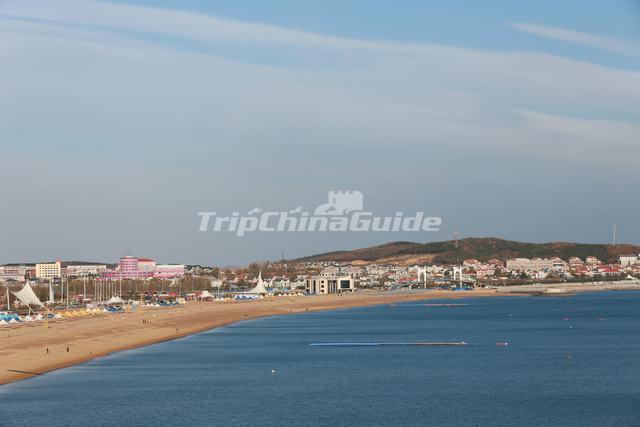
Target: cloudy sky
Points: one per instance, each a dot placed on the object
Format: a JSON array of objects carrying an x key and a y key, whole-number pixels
[{"x": 119, "y": 121}]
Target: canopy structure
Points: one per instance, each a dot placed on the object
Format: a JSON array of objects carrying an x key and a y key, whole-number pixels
[
  {"x": 28, "y": 297},
  {"x": 206, "y": 294},
  {"x": 115, "y": 300},
  {"x": 259, "y": 288}
]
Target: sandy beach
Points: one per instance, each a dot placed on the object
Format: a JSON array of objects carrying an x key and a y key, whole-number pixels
[{"x": 38, "y": 348}]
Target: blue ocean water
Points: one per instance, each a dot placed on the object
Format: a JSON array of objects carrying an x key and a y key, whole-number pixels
[{"x": 571, "y": 361}]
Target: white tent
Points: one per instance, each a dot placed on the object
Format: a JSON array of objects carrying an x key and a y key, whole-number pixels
[
  {"x": 259, "y": 289},
  {"x": 205, "y": 294},
  {"x": 27, "y": 296},
  {"x": 115, "y": 300}
]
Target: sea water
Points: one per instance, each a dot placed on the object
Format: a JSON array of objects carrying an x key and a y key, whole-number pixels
[{"x": 570, "y": 361}]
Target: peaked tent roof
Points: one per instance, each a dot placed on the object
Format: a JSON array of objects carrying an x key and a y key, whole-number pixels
[{"x": 259, "y": 288}]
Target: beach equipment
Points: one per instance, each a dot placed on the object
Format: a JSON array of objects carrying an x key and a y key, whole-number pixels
[
  {"x": 3, "y": 322},
  {"x": 28, "y": 319},
  {"x": 39, "y": 317},
  {"x": 8, "y": 316},
  {"x": 58, "y": 316}
]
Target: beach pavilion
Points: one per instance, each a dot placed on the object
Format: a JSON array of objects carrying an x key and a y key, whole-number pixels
[{"x": 259, "y": 289}]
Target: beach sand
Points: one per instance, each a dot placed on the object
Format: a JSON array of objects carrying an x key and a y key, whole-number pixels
[{"x": 36, "y": 348}]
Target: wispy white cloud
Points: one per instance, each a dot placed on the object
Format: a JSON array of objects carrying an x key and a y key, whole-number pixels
[
  {"x": 615, "y": 135},
  {"x": 585, "y": 39},
  {"x": 439, "y": 92},
  {"x": 84, "y": 95},
  {"x": 184, "y": 24}
]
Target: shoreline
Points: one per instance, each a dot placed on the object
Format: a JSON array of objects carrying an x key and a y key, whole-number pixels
[{"x": 34, "y": 350}]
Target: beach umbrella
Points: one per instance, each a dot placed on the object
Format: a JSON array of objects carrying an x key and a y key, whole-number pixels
[
  {"x": 3, "y": 322},
  {"x": 58, "y": 316},
  {"x": 28, "y": 319}
]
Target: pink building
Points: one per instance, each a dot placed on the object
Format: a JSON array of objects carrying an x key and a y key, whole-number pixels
[
  {"x": 127, "y": 269},
  {"x": 143, "y": 268}
]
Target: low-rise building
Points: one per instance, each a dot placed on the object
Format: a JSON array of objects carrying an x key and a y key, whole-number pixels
[
  {"x": 168, "y": 271},
  {"x": 330, "y": 271},
  {"x": 329, "y": 285},
  {"x": 85, "y": 270},
  {"x": 559, "y": 266},
  {"x": 575, "y": 261},
  {"x": 526, "y": 264},
  {"x": 629, "y": 259},
  {"x": 591, "y": 260},
  {"x": 13, "y": 273}
]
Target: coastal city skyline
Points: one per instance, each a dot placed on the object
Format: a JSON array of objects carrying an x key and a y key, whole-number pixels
[{"x": 123, "y": 120}]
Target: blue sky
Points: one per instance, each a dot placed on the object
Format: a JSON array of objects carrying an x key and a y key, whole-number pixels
[{"x": 511, "y": 119}]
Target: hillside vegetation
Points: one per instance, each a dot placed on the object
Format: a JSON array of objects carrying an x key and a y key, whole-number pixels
[{"x": 481, "y": 249}]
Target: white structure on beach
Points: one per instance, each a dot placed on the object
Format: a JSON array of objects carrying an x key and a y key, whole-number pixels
[{"x": 259, "y": 289}]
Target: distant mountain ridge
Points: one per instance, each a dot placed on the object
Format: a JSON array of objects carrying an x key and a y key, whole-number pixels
[{"x": 482, "y": 249}]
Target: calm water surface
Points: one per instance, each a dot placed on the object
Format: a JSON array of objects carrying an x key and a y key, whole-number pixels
[{"x": 571, "y": 361}]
